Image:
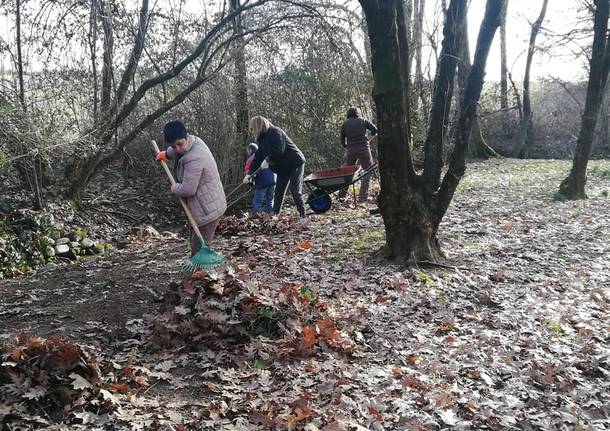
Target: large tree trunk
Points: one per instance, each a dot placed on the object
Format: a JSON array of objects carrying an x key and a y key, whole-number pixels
[
  {"x": 409, "y": 229},
  {"x": 524, "y": 138},
  {"x": 411, "y": 211},
  {"x": 573, "y": 187},
  {"x": 504, "y": 74}
]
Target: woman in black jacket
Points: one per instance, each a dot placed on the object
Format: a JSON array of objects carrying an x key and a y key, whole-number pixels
[{"x": 278, "y": 152}]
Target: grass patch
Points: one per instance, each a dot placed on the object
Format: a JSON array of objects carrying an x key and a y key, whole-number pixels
[
  {"x": 367, "y": 241},
  {"x": 601, "y": 172}
]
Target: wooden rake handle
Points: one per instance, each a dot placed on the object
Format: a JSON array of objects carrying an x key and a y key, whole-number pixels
[{"x": 189, "y": 215}]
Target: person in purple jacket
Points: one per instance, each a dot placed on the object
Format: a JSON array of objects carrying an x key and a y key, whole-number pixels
[{"x": 264, "y": 185}]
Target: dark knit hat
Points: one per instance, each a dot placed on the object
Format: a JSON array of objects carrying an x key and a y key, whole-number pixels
[
  {"x": 174, "y": 130},
  {"x": 353, "y": 112}
]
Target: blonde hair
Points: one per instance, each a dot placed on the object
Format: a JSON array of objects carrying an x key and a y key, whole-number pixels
[{"x": 258, "y": 125}]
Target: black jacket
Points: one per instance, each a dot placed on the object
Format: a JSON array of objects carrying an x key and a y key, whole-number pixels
[{"x": 282, "y": 153}]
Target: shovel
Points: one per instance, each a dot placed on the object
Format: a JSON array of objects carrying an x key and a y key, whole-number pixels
[{"x": 205, "y": 258}]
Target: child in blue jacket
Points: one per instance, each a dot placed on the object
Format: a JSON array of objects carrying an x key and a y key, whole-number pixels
[{"x": 264, "y": 185}]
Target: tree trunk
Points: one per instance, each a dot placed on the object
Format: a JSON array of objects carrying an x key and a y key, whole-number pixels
[
  {"x": 418, "y": 33},
  {"x": 105, "y": 14},
  {"x": 409, "y": 228},
  {"x": 19, "y": 57},
  {"x": 468, "y": 108},
  {"x": 573, "y": 187},
  {"x": 603, "y": 129},
  {"x": 404, "y": 28},
  {"x": 27, "y": 167},
  {"x": 524, "y": 138},
  {"x": 92, "y": 36},
  {"x": 504, "y": 74},
  {"x": 477, "y": 147},
  {"x": 240, "y": 79},
  {"x": 443, "y": 93}
]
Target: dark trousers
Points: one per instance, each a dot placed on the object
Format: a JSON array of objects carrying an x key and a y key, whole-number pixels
[
  {"x": 295, "y": 179},
  {"x": 365, "y": 159}
]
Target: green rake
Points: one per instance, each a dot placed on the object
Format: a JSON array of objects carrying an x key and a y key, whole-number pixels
[{"x": 205, "y": 259}]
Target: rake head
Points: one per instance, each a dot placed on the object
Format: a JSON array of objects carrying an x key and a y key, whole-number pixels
[{"x": 205, "y": 259}]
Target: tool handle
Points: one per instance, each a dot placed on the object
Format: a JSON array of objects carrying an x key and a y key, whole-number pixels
[{"x": 189, "y": 215}]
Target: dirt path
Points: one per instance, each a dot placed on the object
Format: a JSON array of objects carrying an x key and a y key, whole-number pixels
[
  {"x": 514, "y": 337},
  {"x": 100, "y": 293}
]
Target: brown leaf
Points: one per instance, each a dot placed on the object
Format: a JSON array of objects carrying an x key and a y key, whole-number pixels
[
  {"x": 381, "y": 299},
  {"x": 328, "y": 329},
  {"x": 375, "y": 412},
  {"x": 498, "y": 276},
  {"x": 121, "y": 388},
  {"x": 415, "y": 383},
  {"x": 305, "y": 245},
  {"x": 309, "y": 337}
]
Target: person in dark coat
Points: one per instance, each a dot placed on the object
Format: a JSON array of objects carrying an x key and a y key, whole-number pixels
[
  {"x": 277, "y": 152},
  {"x": 357, "y": 146},
  {"x": 264, "y": 184}
]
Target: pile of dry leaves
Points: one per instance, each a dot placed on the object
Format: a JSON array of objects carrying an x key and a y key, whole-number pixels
[
  {"x": 208, "y": 309},
  {"x": 53, "y": 380}
]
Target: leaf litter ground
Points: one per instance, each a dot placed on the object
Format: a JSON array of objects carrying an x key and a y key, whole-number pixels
[{"x": 306, "y": 331}]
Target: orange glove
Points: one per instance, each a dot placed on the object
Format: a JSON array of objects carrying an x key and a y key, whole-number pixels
[{"x": 161, "y": 156}]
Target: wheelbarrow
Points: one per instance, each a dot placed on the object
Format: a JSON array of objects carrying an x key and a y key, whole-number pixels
[{"x": 322, "y": 184}]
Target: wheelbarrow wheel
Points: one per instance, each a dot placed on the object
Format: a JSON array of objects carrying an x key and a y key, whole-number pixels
[{"x": 319, "y": 201}]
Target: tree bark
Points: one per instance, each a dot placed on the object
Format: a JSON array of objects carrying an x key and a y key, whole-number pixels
[
  {"x": 573, "y": 187},
  {"x": 524, "y": 138},
  {"x": 504, "y": 74}
]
